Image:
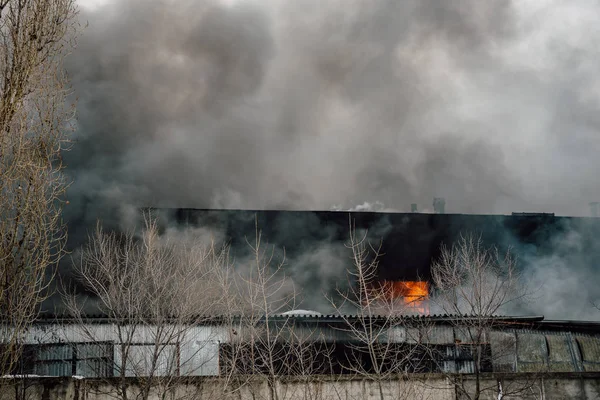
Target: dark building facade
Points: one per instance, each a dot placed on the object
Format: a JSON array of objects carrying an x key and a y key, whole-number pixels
[{"x": 410, "y": 241}]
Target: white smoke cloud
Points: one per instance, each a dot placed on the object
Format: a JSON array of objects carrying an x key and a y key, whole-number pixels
[{"x": 375, "y": 206}]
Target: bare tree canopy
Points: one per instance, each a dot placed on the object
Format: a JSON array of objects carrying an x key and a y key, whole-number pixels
[
  {"x": 472, "y": 280},
  {"x": 155, "y": 292},
  {"x": 375, "y": 353},
  {"x": 475, "y": 283},
  {"x": 35, "y": 36}
]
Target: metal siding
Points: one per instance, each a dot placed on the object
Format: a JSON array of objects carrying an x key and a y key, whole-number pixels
[
  {"x": 54, "y": 359},
  {"x": 140, "y": 358},
  {"x": 53, "y": 368},
  {"x": 575, "y": 352},
  {"x": 557, "y": 351},
  {"x": 466, "y": 334},
  {"x": 465, "y": 367},
  {"x": 449, "y": 366},
  {"x": 413, "y": 335},
  {"x": 531, "y": 347},
  {"x": 560, "y": 354},
  {"x": 200, "y": 358},
  {"x": 576, "y": 345},
  {"x": 396, "y": 334},
  {"x": 197, "y": 354},
  {"x": 93, "y": 350},
  {"x": 439, "y": 335},
  {"x": 306, "y": 333},
  {"x": 94, "y": 359},
  {"x": 503, "y": 346},
  {"x": 590, "y": 352},
  {"x": 94, "y": 368},
  {"x": 55, "y": 352}
]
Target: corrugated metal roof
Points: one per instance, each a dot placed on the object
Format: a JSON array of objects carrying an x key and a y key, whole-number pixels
[
  {"x": 431, "y": 317},
  {"x": 536, "y": 322}
]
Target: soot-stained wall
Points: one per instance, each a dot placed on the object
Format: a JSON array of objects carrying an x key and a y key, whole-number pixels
[{"x": 410, "y": 241}]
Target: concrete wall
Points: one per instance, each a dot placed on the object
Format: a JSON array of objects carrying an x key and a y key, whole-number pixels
[{"x": 431, "y": 387}]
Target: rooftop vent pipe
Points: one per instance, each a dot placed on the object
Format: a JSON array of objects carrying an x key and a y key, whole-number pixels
[
  {"x": 594, "y": 208},
  {"x": 439, "y": 205}
]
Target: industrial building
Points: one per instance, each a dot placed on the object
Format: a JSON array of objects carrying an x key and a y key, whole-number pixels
[
  {"x": 560, "y": 354},
  {"x": 410, "y": 241},
  {"x": 436, "y": 344}
]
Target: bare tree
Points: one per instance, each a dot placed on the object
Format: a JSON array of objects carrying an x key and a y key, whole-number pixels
[
  {"x": 383, "y": 343},
  {"x": 473, "y": 284},
  {"x": 310, "y": 357},
  {"x": 267, "y": 343},
  {"x": 260, "y": 292},
  {"x": 35, "y": 36},
  {"x": 157, "y": 296}
]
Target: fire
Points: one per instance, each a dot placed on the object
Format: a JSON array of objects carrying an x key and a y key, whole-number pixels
[{"x": 413, "y": 294}]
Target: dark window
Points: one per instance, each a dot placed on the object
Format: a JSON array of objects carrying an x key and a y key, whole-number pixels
[
  {"x": 461, "y": 358},
  {"x": 320, "y": 358},
  {"x": 67, "y": 359}
]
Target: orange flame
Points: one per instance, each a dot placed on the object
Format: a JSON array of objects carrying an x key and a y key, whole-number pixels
[{"x": 414, "y": 294}]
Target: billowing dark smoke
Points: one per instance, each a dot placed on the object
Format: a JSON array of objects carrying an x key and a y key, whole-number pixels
[{"x": 308, "y": 104}]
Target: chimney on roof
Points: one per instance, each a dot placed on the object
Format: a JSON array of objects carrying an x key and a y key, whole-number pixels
[
  {"x": 439, "y": 205},
  {"x": 594, "y": 209},
  {"x": 413, "y": 208}
]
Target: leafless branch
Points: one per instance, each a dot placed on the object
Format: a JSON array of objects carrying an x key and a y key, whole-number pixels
[
  {"x": 154, "y": 293},
  {"x": 35, "y": 118},
  {"x": 474, "y": 284},
  {"x": 382, "y": 343}
]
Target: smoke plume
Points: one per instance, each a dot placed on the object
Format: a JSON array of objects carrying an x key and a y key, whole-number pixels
[{"x": 309, "y": 104}]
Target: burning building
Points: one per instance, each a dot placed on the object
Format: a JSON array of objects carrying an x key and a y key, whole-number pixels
[
  {"x": 436, "y": 345},
  {"x": 413, "y": 294},
  {"x": 557, "y": 249}
]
